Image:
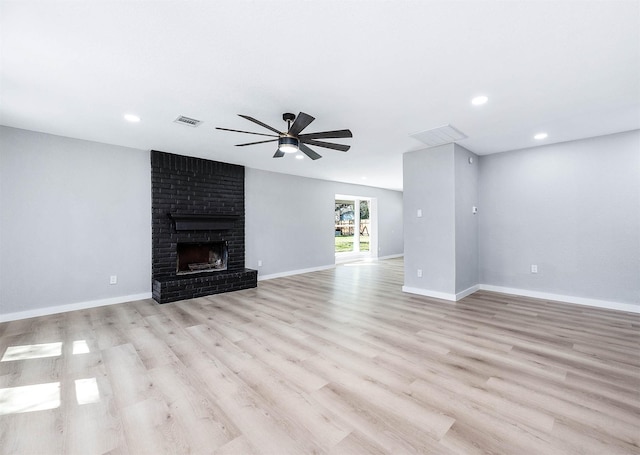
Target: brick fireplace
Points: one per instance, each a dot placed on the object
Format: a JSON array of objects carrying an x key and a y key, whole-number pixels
[{"x": 197, "y": 228}]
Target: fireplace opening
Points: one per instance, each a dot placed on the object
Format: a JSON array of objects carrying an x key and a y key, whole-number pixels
[{"x": 201, "y": 257}]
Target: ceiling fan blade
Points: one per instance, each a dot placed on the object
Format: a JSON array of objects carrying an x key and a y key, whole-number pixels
[
  {"x": 307, "y": 151},
  {"x": 248, "y": 132},
  {"x": 264, "y": 125},
  {"x": 301, "y": 122},
  {"x": 279, "y": 154},
  {"x": 253, "y": 143},
  {"x": 327, "y": 135},
  {"x": 329, "y": 145}
]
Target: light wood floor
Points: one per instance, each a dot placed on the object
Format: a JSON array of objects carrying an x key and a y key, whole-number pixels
[{"x": 338, "y": 361}]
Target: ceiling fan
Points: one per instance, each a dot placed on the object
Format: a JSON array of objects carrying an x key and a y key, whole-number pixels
[{"x": 291, "y": 141}]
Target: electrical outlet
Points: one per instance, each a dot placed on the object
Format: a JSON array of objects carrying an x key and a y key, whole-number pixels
[
  {"x": 260, "y": 263},
  {"x": 113, "y": 279},
  {"x": 419, "y": 273},
  {"x": 534, "y": 268},
  {"x": 419, "y": 213}
]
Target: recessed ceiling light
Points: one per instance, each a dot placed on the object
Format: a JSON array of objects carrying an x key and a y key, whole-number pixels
[
  {"x": 540, "y": 136},
  {"x": 479, "y": 100},
  {"x": 131, "y": 118},
  {"x": 299, "y": 157}
]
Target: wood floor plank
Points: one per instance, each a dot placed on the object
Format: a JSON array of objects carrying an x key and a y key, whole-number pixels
[
  {"x": 237, "y": 446},
  {"x": 156, "y": 429},
  {"x": 295, "y": 372},
  {"x": 96, "y": 427},
  {"x": 314, "y": 422},
  {"x": 480, "y": 430},
  {"x": 357, "y": 444},
  {"x": 379, "y": 427},
  {"x": 395, "y": 403},
  {"x": 128, "y": 376},
  {"x": 266, "y": 428},
  {"x": 339, "y": 361},
  {"x": 203, "y": 423},
  {"x": 565, "y": 410},
  {"x": 45, "y": 437}
]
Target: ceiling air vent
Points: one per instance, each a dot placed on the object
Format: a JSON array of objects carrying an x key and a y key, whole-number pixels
[
  {"x": 438, "y": 136},
  {"x": 188, "y": 121}
]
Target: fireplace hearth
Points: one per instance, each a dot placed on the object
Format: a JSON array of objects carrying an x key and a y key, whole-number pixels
[{"x": 197, "y": 228}]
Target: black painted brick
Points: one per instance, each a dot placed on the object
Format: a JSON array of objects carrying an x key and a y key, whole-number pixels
[{"x": 190, "y": 185}]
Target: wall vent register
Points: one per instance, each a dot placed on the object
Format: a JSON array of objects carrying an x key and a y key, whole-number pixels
[{"x": 188, "y": 121}]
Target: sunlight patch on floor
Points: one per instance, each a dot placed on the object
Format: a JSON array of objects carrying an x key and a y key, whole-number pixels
[
  {"x": 29, "y": 398},
  {"x": 32, "y": 351},
  {"x": 80, "y": 347},
  {"x": 87, "y": 391}
]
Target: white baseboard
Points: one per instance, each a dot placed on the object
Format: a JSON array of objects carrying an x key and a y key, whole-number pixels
[
  {"x": 72, "y": 307},
  {"x": 351, "y": 257},
  {"x": 341, "y": 258},
  {"x": 466, "y": 292},
  {"x": 428, "y": 293},
  {"x": 629, "y": 307},
  {"x": 390, "y": 256},
  {"x": 323, "y": 267},
  {"x": 441, "y": 295},
  {"x": 294, "y": 272}
]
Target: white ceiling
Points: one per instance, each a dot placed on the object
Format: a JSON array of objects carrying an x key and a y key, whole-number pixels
[{"x": 384, "y": 69}]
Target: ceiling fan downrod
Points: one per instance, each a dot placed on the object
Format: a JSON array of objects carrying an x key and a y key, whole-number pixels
[{"x": 288, "y": 117}]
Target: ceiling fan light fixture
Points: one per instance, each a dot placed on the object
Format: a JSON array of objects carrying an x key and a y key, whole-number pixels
[{"x": 288, "y": 144}]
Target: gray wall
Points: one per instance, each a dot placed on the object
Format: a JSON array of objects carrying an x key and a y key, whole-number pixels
[
  {"x": 73, "y": 213},
  {"x": 289, "y": 221},
  {"x": 466, "y": 197},
  {"x": 573, "y": 209},
  {"x": 429, "y": 185},
  {"x": 443, "y": 243}
]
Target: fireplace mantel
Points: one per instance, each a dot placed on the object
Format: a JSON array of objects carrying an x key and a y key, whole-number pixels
[{"x": 191, "y": 222}]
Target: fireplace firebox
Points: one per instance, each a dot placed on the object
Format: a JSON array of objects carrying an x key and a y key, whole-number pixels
[{"x": 201, "y": 257}]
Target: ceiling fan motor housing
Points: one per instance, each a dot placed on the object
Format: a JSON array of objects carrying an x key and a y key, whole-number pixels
[{"x": 288, "y": 144}]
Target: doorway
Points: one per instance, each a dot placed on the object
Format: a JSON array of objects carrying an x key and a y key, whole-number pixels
[{"x": 354, "y": 228}]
